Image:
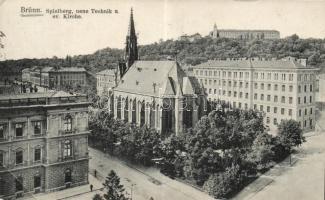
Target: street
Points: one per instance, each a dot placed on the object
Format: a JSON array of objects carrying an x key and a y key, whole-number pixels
[{"x": 146, "y": 182}]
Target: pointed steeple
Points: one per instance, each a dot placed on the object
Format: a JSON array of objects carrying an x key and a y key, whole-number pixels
[{"x": 131, "y": 48}]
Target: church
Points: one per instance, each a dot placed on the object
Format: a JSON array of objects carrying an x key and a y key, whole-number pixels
[{"x": 157, "y": 94}]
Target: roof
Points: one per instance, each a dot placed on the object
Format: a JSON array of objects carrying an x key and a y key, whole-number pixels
[
  {"x": 155, "y": 78},
  {"x": 255, "y": 64},
  {"x": 36, "y": 95},
  {"x": 69, "y": 69},
  {"x": 247, "y": 30},
  {"x": 107, "y": 72}
]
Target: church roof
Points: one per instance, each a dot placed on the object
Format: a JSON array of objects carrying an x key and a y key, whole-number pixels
[{"x": 155, "y": 78}]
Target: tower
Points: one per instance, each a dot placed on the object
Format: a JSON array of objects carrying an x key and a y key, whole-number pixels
[{"x": 131, "y": 49}]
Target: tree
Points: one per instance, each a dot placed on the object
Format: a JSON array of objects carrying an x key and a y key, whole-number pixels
[
  {"x": 98, "y": 197},
  {"x": 115, "y": 191},
  {"x": 290, "y": 134},
  {"x": 223, "y": 184}
]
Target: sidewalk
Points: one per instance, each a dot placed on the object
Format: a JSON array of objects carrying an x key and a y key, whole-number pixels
[{"x": 77, "y": 193}]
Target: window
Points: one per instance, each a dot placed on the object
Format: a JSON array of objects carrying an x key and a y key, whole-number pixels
[
  {"x": 290, "y": 88},
  {"x": 262, "y": 97},
  {"x": 255, "y": 96},
  {"x": 311, "y": 88},
  {"x": 267, "y": 120},
  {"x": 246, "y": 85},
  {"x": 67, "y": 152},
  {"x": 269, "y": 97},
  {"x": 311, "y": 123},
  {"x": 19, "y": 184},
  {"x": 268, "y": 86},
  {"x": 37, "y": 128},
  {"x": 290, "y": 112},
  {"x": 235, "y": 94},
  {"x": 283, "y": 99},
  {"x": 268, "y": 109},
  {"x": 305, "y": 88},
  {"x": 275, "y": 109},
  {"x": 68, "y": 123},
  {"x": 229, "y": 83},
  {"x": 298, "y": 100},
  {"x": 67, "y": 176},
  {"x": 311, "y": 111},
  {"x": 290, "y": 100},
  {"x": 261, "y": 107},
  {"x": 275, "y": 121},
  {"x": 246, "y": 95},
  {"x": 240, "y": 84},
  {"x": 2, "y": 131},
  {"x": 276, "y": 87},
  {"x": 240, "y": 95},
  {"x": 37, "y": 154},
  {"x": 37, "y": 181},
  {"x": 275, "y": 98},
  {"x": 299, "y": 88},
  {"x": 305, "y": 99},
  {"x": 229, "y": 93},
  {"x": 255, "y": 85},
  {"x": 215, "y": 91},
  {"x": 255, "y": 106},
  {"x": 306, "y": 111},
  {"x": 1, "y": 159},
  {"x": 283, "y": 88},
  {"x": 19, "y": 130},
  {"x": 282, "y": 111},
  {"x": 262, "y": 86},
  {"x": 299, "y": 113},
  {"x": 19, "y": 157},
  {"x": 310, "y": 99}
]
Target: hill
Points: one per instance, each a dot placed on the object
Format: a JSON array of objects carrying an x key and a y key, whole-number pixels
[{"x": 189, "y": 53}]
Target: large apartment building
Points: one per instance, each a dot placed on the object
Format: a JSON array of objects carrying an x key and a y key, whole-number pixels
[
  {"x": 282, "y": 89},
  {"x": 43, "y": 143},
  {"x": 106, "y": 80}
]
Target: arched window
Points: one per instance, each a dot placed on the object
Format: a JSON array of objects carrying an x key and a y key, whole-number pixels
[
  {"x": 67, "y": 176},
  {"x": 68, "y": 123},
  {"x": 67, "y": 152}
]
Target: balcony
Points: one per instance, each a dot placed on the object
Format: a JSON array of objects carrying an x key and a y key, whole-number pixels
[{"x": 68, "y": 132}]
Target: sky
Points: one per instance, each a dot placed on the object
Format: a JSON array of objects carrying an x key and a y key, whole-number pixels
[{"x": 44, "y": 36}]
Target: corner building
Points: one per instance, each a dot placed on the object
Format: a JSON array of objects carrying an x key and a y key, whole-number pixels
[
  {"x": 43, "y": 143},
  {"x": 282, "y": 89}
]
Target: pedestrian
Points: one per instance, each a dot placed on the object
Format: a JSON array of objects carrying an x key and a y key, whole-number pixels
[
  {"x": 91, "y": 187},
  {"x": 95, "y": 173}
]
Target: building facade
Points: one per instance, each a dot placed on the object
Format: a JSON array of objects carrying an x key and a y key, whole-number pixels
[
  {"x": 43, "y": 143},
  {"x": 49, "y": 77},
  {"x": 282, "y": 89},
  {"x": 106, "y": 80},
  {"x": 244, "y": 34}
]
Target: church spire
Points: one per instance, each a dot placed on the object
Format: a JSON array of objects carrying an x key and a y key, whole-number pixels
[{"x": 131, "y": 49}]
